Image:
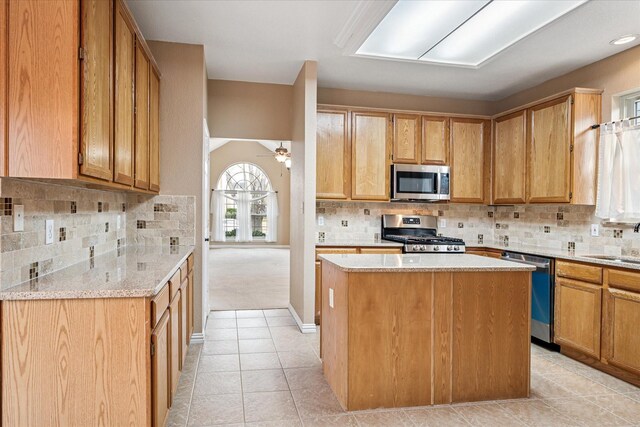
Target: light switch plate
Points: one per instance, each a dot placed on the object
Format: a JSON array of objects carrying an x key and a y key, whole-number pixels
[
  {"x": 595, "y": 230},
  {"x": 331, "y": 297},
  {"x": 48, "y": 232},
  {"x": 321, "y": 221},
  {"x": 18, "y": 218},
  {"x": 443, "y": 223}
]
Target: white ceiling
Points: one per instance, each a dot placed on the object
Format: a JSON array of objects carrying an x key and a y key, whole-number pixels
[
  {"x": 271, "y": 145},
  {"x": 267, "y": 41}
]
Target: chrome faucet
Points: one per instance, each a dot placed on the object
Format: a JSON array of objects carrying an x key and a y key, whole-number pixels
[{"x": 636, "y": 229}]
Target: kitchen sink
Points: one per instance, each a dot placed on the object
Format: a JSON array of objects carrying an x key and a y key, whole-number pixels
[{"x": 614, "y": 258}]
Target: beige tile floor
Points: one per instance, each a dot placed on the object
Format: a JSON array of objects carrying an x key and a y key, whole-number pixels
[
  {"x": 256, "y": 369},
  {"x": 248, "y": 278}
]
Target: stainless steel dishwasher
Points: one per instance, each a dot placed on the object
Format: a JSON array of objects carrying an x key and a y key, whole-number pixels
[{"x": 542, "y": 293}]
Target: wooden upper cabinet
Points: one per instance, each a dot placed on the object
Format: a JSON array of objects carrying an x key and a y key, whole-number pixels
[
  {"x": 370, "y": 151},
  {"x": 549, "y": 150},
  {"x": 43, "y": 40},
  {"x": 96, "y": 89},
  {"x": 406, "y": 138},
  {"x": 142, "y": 119},
  {"x": 509, "y": 159},
  {"x": 435, "y": 140},
  {"x": 124, "y": 97},
  {"x": 333, "y": 161},
  {"x": 469, "y": 159},
  {"x": 4, "y": 5},
  {"x": 154, "y": 130}
]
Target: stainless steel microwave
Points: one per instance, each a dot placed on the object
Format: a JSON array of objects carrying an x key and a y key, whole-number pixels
[{"x": 419, "y": 183}]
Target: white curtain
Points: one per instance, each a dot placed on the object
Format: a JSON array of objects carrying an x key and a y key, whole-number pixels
[
  {"x": 218, "y": 210},
  {"x": 244, "y": 217},
  {"x": 272, "y": 217},
  {"x": 618, "y": 197}
]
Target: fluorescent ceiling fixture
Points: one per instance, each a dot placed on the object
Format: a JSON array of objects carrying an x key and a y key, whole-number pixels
[
  {"x": 459, "y": 32},
  {"x": 412, "y": 27},
  {"x": 624, "y": 39}
]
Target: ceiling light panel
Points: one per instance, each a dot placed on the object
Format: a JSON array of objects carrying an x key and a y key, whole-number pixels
[
  {"x": 494, "y": 28},
  {"x": 412, "y": 27}
]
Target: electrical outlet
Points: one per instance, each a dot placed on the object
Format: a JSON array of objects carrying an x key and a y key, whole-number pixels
[
  {"x": 331, "y": 297},
  {"x": 321, "y": 221},
  {"x": 18, "y": 218},
  {"x": 48, "y": 232},
  {"x": 443, "y": 223},
  {"x": 595, "y": 230}
]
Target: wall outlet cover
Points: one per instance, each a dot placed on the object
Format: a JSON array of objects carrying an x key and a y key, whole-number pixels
[
  {"x": 48, "y": 232},
  {"x": 18, "y": 218},
  {"x": 331, "y": 297},
  {"x": 443, "y": 223},
  {"x": 321, "y": 221},
  {"x": 595, "y": 230}
]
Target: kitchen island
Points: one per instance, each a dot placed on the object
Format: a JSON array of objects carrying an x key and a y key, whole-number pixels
[{"x": 414, "y": 330}]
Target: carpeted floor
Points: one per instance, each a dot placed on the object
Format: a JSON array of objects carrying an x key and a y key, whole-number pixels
[{"x": 248, "y": 278}]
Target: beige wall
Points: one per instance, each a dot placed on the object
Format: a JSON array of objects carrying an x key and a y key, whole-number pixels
[
  {"x": 248, "y": 151},
  {"x": 303, "y": 194},
  {"x": 397, "y": 101},
  {"x": 615, "y": 74},
  {"x": 182, "y": 94},
  {"x": 245, "y": 110}
]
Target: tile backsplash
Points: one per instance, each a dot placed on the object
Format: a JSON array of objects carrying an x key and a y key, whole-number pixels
[
  {"x": 161, "y": 220},
  {"x": 85, "y": 225},
  {"x": 549, "y": 226}
]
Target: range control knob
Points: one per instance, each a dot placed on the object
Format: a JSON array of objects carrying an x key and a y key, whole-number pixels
[
  {"x": 436, "y": 248},
  {"x": 449, "y": 248},
  {"x": 422, "y": 248}
]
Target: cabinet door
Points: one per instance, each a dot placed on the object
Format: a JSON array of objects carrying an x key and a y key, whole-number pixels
[
  {"x": 620, "y": 340},
  {"x": 370, "y": 150},
  {"x": 333, "y": 164},
  {"x": 4, "y": 5},
  {"x": 383, "y": 251},
  {"x": 96, "y": 90},
  {"x": 509, "y": 159},
  {"x": 577, "y": 316},
  {"x": 184, "y": 330},
  {"x": 406, "y": 138},
  {"x": 190, "y": 307},
  {"x": 124, "y": 98},
  {"x": 174, "y": 360},
  {"x": 154, "y": 131},
  {"x": 549, "y": 150},
  {"x": 469, "y": 168},
  {"x": 142, "y": 119},
  {"x": 160, "y": 371},
  {"x": 435, "y": 140},
  {"x": 43, "y": 99},
  {"x": 318, "y": 304}
]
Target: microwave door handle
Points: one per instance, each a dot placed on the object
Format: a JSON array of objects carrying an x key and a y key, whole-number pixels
[{"x": 436, "y": 177}]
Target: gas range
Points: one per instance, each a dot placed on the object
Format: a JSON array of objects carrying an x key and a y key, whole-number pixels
[{"x": 419, "y": 234}]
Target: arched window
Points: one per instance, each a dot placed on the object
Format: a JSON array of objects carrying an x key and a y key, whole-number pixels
[{"x": 247, "y": 193}]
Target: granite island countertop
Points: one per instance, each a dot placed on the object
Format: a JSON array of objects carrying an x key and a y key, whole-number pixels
[
  {"x": 129, "y": 272},
  {"x": 579, "y": 256},
  {"x": 421, "y": 263}
]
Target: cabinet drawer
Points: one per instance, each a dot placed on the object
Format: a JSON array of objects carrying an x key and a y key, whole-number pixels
[
  {"x": 586, "y": 273},
  {"x": 624, "y": 280},
  {"x": 174, "y": 285},
  {"x": 159, "y": 304},
  {"x": 396, "y": 251},
  {"x": 327, "y": 251},
  {"x": 190, "y": 262},
  {"x": 184, "y": 271}
]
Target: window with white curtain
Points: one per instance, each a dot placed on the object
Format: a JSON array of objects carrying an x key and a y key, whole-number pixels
[{"x": 246, "y": 207}]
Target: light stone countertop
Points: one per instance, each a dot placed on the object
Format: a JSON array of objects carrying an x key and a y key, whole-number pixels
[
  {"x": 132, "y": 271},
  {"x": 562, "y": 254},
  {"x": 414, "y": 263},
  {"x": 369, "y": 243}
]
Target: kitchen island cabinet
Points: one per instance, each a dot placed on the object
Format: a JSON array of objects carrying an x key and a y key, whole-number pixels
[{"x": 414, "y": 330}]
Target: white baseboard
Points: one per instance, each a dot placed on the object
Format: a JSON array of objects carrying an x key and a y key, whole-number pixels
[
  {"x": 305, "y": 328},
  {"x": 197, "y": 338}
]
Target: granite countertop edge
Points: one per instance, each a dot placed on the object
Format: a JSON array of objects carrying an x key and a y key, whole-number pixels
[
  {"x": 15, "y": 294},
  {"x": 359, "y": 243}
]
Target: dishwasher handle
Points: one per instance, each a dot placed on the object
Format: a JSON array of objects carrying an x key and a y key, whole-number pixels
[{"x": 540, "y": 265}]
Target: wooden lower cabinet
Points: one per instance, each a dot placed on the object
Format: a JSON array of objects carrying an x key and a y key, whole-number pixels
[
  {"x": 190, "y": 308},
  {"x": 92, "y": 361},
  {"x": 621, "y": 341},
  {"x": 160, "y": 370},
  {"x": 184, "y": 329}
]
